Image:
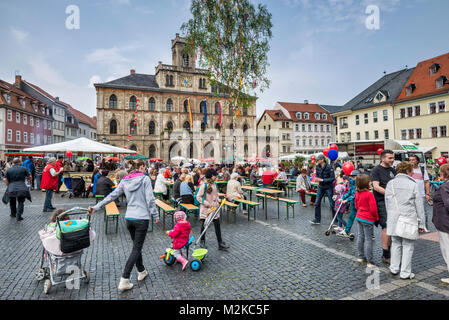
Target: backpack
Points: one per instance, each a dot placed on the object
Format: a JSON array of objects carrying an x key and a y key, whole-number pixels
[{"x": 195, "y": 201}]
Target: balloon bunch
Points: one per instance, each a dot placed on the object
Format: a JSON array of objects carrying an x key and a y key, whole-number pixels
[{"x": 331, "y": 152}]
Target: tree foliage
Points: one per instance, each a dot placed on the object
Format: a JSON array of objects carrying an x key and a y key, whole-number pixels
[{"x": 230, "y": 38}]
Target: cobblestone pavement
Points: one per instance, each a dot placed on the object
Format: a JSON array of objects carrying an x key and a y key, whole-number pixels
[{"x": 267, "y": 259}]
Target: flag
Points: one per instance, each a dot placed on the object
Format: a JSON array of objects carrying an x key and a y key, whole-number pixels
[
  {"x": 219, "y": 112},
  {"x": 190, "y": 113},
  {"x": 205, "y": 112}
]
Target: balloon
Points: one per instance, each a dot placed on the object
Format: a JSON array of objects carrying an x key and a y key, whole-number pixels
[
  {"x": 312, "y": 157},
  {"x": 313, "y": 161},
  {"x": 442, "y": 160},
  {"x": 333, "y": 147},
  {"x": 347, "y": 168},
  {"x": 332, "y": 154},
  {"x": 325, "y": 151},
  {"x": 379, "y": 151},
  {"x": 68, "y": 154}
]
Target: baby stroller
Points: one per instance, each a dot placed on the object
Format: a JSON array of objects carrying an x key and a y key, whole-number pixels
[
  {"x": 68, "y": 183},
  {"x": 63, "y": 264},
  {"x": 79, "y": 186}
]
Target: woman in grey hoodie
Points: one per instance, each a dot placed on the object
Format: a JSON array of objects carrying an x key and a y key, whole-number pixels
[{"x": 139, "y": 194}]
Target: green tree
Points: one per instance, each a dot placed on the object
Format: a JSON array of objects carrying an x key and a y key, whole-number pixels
[{"x": 230, "y": 38}]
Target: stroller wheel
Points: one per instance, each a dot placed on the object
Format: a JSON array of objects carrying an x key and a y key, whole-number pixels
[
  {"x": 40, "y": 274},
  {"x": 351, "y": 237},
  {"x": 327, "y": 233},
  {"x": 87, "y": 275},
  {"x": 47, "y": 286}
]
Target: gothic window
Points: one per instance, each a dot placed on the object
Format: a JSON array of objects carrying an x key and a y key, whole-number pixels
[
  {"x": 113, "y": 101},
  {"x": 113, "y": 127}
]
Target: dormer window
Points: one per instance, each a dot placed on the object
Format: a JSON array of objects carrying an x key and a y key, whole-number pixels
[
  {"x": 379, "y": 97},
  {"x": 410, "y": 88},
  {"x": 317, "y": 116},
  {"x": 298, "y": 115},
  {"x": 35, "y": 107},
  {"x": 22, "y": 102},
  {"x": 306, "y": 116},
  {"x": 434, "y": 68},
  {"x": 7, "y": 98},
  {"x": 324, "y": 116},
  {"x": 440, "y": 82}
]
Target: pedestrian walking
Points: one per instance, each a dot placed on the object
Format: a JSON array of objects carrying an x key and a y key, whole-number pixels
[
  {"x": 422, "y": 180},
  {"x": 441, "y": 214},
  {"x": 29, "y": 165},
  {"x": 16, "y": 188},
  {"x": 380, "y": 176},
  {"x": 39, "y": 168},
  {"x": 325, "y": 176},
  {"x": 367, "y": 215},
  {"x": 139, "y": 194},
  {"x": 405, "y": 219},
  {"x": 50, "y": 182}
]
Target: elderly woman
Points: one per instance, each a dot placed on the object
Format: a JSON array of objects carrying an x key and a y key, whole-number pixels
[
  {"x": 161, "y": 184},
  {"x": 16, "y": 188},
  {"x": 234, "y": 190},
  {"x": 441, "y": 215},
  {"x": 405, "y": 219}
]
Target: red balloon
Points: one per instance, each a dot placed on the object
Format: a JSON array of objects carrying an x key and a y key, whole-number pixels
[
  {"x": 379, "y": 151},
  {"x": 347, "y": 168},
  {"x": 325, "y": 151},
  {"x": 68, "y": 154},
  {"x": 313, "y": 161},
  {"x": 442, "y": 160},
  {"x": 312, "y": 157},
  {"x": 333, "y": 146}
]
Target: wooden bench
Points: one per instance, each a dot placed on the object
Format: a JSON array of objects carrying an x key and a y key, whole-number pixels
[
  {"x": 292, "y": 187},
  {"x": 190, "y": 208},
  {"x": 231, "y": 208},
  {"x": 221, "y": 195},
  {"x": 111, "y": 213},
  {"x": 263, "y": 196},
  {"x": 166, "y": 209},
  {"x": 289, "y": 203},
  {"x": 250, "y": 204}
]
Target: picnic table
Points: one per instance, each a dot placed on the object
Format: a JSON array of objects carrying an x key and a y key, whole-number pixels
[
  {"x": 250, "y": 189},
  {"x": 220, "y": 184},
  {"x": 270, "y": 192}
]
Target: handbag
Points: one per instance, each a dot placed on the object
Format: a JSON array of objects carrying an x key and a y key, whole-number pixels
[
  {"x": 5, "y": 198},
  {"x": 406, "y": 227}
]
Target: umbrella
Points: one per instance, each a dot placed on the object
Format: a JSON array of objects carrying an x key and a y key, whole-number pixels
[
  {"x": 81, "y": 158},
  {"x": 209, "y": 160},
  {"x": 112, "y": 158},
  {"x": 186, "y": 165},
  {"x": 194, "y": 161},
  {"x": 178, "y": 160},
  {"x": 136, "y": 157},
  {"x": 155, "y": 159}
]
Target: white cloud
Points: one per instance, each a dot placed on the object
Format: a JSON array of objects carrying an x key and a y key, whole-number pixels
[
  {"x": 19, "y": 35},
  {"x": 94, "y": 79},
  {"x": 106, "y": 56}
]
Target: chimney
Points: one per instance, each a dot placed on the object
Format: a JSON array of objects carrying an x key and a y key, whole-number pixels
[
  {"x": 306, "y": 101},
  {"x": 132, "y": 71},
  {"x": 18, "y": 82}
]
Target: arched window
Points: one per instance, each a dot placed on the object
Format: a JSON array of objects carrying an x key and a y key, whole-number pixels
[
  {"x": 167, "y": 80},
  {"x": 133, "y": 147},
  {"x": 133, "y": 103},
  {"x": 245, "y": 111},
  {"x": 186, "y": 125},
  {"x": 151, "y": 127},
  {"x": 113, "y": 127},
  {"x": 152, "y": 153},
  {"x": 217, "y": 108},
  {"x": 245, "y": 129},
  {"x": 170, "y": 126},
  {"x": 113, "y": 101},
  {"x": 169, "y": 105},
  {"x": 185, "y": 60},
  {"x": 186, "y": 106},
  {"x": 245, "y": 150},
  {"x": 202, "y": 106},
  {"x": 171, "y": 81},
  {"x": 133, "y": 127},
  {"x": 151, "y": 104}
]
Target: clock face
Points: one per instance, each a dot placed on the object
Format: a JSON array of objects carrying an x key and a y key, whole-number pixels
[{"x": 187, "y": 82}]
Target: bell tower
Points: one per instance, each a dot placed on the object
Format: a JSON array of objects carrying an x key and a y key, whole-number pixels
[{"x": 180, "y": 58}]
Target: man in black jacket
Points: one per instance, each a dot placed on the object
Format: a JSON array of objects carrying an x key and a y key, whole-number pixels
[{"x": 325, "y": 177}]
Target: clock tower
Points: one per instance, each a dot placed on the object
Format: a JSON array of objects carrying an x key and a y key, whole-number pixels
[{"x": 180, "y": 57}]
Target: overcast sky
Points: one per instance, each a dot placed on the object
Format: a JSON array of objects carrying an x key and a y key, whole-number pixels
[{"x": 321, "y": 49}]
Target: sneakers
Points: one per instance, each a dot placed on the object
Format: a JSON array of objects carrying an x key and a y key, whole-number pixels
[
  {"x": 223, "y": 246},
  {"x": 360, "y": 260},
  {"x": 410, "y": 277},
  {"x": 125, "y": 284},
  {"x": 445, "y": 280},
  {"x": 142, "y": 275},
  {"x": 315, "y": 222},
  {"x": 304, "y": 205},
  {"x": 342, "y": 233},
  {"x": 339, "y": 229}
]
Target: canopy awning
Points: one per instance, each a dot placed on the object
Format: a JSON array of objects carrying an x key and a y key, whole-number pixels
[
  {"x": 79, "y": 145},
  {"x": 425, "y": 149}
]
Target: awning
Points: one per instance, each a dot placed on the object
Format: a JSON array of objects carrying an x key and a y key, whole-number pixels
[{"x": 425, "y": 149}]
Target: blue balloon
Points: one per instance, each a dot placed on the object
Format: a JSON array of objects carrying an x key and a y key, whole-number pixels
[{"x": 332, "y": 154}]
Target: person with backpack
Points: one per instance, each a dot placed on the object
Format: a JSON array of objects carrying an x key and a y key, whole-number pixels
[
  {"x": 207, "y": 198},
  {"x": 422, "y": 179}
]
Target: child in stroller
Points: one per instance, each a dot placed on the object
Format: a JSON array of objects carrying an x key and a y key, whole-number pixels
[{"x": 180, "y": 235}]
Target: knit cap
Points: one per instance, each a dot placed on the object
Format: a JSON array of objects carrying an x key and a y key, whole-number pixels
[{"x": 179, "y": 215}]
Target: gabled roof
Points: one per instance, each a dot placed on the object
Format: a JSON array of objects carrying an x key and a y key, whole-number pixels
[
  {"x": 136, "y": 80},
  {"x": 294, "y": 108},
  {"x": 83, "y": 118},
  {"x": 331, "y": 109},
  {"x": 424, "y": 82},
  {"x": 41, "y": 91},
  {"x": 390, "y": 85}
]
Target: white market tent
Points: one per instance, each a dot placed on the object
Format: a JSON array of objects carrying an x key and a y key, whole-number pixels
[{"x": 79, "y": 145}]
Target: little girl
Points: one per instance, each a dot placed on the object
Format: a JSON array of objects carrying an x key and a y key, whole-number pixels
[
  {"x": 367, "y": 215},
  {"x": 340, "y": 191},
  {"x": 180, "y": 235}
]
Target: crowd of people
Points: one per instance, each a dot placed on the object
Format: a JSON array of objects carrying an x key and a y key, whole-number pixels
[{"x": 398, "y": 200}]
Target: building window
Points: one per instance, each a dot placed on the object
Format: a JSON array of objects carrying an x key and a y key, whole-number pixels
[
  {"x": 324, "y": 116},
  {"x": 151, "y": 128},
  {"x": 328, "y": 128},
  {"x": 411, "y": 134},
  {"x": 186, "y": 125},
  {"x": 113, "y": 127},
  {"x": 203, "y": 107},
  {"x": 133, "y": 103},
  {"x": 32, "y": 138},
  {"x": 303, "y": 127},
  {"x": 298, "y": 115},
  {"x": 403, "y": 134},
  {"x": 296, "y": 127},
  {"x": 17, "y": 117},
  {"x": 432, "y": 108},
  {"x": 316, "y": 128},
  {"x": 37, "y": 123},
  {"x": 185, "y": 60},
  {"x": 112, "y": 101},
  {"x": 321, "y": 128},
  {"x": 25, "y": 120},
  {"x": 25, "y": 137},
  {"x": 18, "y": 136},
  {"x": 322, "y": 142},
  {"x": 45, "y": 124},
  {"x": 217, "y": 108},
  {"x": 9, "y": 115},
  {"x": 376, "y": 134},
  {"x": 170, "y": 126},
  {"x": 358, "y": 135},
  {"x": 133, "y": 127},
  {"x": 344, "y": 123},
  {"x": 9, "y": 135},
  {"x": 434, "y": 68},
  {"x": 366, "y": 135},
  {"x": 316, "y": 142},
  {"x": 375, "y": 116},
  {"x": 441, "y": 106},
  {"x": 151, "y": 104},
  {"x": 306, "y": 116},
  {"x": 434, "y": 132},
  {"x": 186, "y": 106},
  {"x": 310, "y": 142},
  {"x": 245, "y": 130},
  {"x": 357, "y": 120},
  {"x": 317, "y": 116},
  {"x": 409, "y": 89},
  {"x": 418, "y": 133},
  {"x": 38, "y": 139},
  {"x": 152, "y": 151},
  {"x": 385, "y": 115},
  {"x": 443, "y": 131},
  {"x": 304, "y": 142},
  {"x": 245, "y": 111},
  {"x": 417, "y": 111},
  {"x": 365, "y": 116},
  {"x": 409, "y": 112},
  {"x": 169, "y": 105}
]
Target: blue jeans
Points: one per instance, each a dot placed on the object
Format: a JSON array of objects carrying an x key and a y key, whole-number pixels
[
  {"x": 47, "y": 202},
  {"x": 319, "y": 196},
  {"x": 351, "y": 218},
  {"x": 38, "y": 181},
  {"x": 365, "y": 241}
]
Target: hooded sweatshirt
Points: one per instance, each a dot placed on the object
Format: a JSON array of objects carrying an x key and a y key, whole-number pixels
[{"x": 139, "y": 194}]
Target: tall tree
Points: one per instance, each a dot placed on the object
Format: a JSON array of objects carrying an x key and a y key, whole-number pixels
[{"x": 230, "y": 38}]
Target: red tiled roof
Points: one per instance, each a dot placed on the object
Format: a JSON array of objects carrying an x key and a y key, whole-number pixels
[
  {"x": 277, "y": 115},
  {"x": 424, "y": 82},
  {"x": 293, "y": 108}
]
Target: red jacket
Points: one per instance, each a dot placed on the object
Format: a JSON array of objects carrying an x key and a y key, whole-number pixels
[
  {"x": 268, "y": 177},
  {"x": 59, "y": 165},
  {"x": 180, "y": 234},
  {"x": 49, "y": 182},
  {"x": 366, "y": 206}
]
